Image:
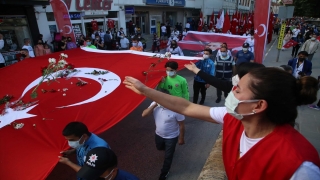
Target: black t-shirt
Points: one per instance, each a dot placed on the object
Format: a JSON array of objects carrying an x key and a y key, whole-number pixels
[{"x": 60, "y": 45}]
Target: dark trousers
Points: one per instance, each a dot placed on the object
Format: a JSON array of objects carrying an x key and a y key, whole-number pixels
[
  {"x": 295, "y": 50},
  {"x": 199, "y": 87},
  {"x": 155, "y": 47},
  {"x": 108, "y": 45},
  {"x": 169, "y": 146},
  {"x": 2, "y": 65},
  {"x": 219, "y": 92},
  {"x": 276, "y": 31}
]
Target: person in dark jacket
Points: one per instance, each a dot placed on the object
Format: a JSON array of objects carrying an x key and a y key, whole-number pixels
[
  {"x": 301, "y": 66},
  {"x": 295, "y": 48}
]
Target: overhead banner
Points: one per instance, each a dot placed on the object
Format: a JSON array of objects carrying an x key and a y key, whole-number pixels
[
  {"x": 31, "y": 132},
  {"x": 195, "y": 42},
  {"x": 61, "y": 15},
  {"x": 261, "y": 22}
]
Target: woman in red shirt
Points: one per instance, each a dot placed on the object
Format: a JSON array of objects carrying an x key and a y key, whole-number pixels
[{"x": 259, "y": 141}]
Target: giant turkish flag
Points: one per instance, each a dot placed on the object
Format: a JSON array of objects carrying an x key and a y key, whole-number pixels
[
  {"x": 61, "y": 15},
  {"x": 31, "y": 152},
  {"x": 261, "y": 22}
]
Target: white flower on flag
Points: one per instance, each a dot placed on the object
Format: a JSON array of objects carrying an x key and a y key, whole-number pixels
[{"x": 52, "y": 60}]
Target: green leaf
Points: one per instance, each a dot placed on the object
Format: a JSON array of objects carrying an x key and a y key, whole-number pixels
[{"x": 34, "y": 95}]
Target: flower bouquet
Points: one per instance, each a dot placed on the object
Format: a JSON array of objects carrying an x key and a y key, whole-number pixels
[{"x": 55, "y": 69}]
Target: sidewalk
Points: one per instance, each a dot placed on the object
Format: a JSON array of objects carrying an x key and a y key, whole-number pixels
[{"x": 308, "y": 120}]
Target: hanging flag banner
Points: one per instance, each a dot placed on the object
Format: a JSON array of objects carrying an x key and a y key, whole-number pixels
[
  {"x": 281, "y": 35},
  {"x": 61, "y": 15},
  {"x": 261, "y": 22},
  {"x": 195, "y": 42}
]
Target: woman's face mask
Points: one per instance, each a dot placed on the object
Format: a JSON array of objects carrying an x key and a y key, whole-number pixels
[{"x": 232, "y": 103}]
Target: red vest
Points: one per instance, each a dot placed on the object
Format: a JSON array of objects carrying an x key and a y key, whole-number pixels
[{"x": 276, "y": 156}]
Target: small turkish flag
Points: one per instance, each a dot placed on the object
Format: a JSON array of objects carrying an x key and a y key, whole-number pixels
[
  {"x": 290, "y": 44},
  {"x": 110, "y": 23},
  {"x": 94, "y": 25}
]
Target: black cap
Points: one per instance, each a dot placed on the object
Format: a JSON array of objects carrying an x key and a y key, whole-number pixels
[
  {"x": 245, "y": 45},
  {"x": 98, "y": 160}
]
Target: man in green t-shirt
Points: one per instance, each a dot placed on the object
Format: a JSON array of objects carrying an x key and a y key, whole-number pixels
[
  {"x": 175, "y": 84},
  {"x": 89, "y": 43}
]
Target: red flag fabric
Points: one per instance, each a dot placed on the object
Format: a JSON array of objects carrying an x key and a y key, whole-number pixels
[
  {"x": 94, "y": 25},
  {"x": 226, "y": 23},
  {"x": 261, "y": 22},
  {"x": 250, "y": 22},
  {"x": 200, "y": 24},
  {"x": 32, "y": 151},
  {"x": 61, "y": 15},
  {"x": 244, "y": 21},
  {"x": 110, "y": 23},
  {"x": 318, "y": 38},
  {"x": 194, "y": 43},
  {"x": 290, "y": 44},
  {"x": 211, "y": 20}
]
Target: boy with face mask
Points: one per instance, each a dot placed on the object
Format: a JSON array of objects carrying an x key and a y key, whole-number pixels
[
  {"x": 199, "y": 85},
  {"x": 175, "y": 84},
  {"x": 81, "y": 141}
]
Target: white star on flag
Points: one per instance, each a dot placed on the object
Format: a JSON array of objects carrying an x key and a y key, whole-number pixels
[
  {"x": 256, "y": 31},
  {"x": 11, "y": 115}
]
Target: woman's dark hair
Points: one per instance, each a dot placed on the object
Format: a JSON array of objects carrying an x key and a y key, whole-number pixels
[
  {"x": 243, "y": 68},
  {"x": 172, "y": 65},
  {"x": 75, "y": 128},
  {"x": 282, "y": 92}
]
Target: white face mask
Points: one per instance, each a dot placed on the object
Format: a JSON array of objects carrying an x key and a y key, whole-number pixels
[
  {"x": 224, "y": 54},
  {"x": 235, "y": 80},
  {"x": 313, "y": 39},
  {"x": 75, "y": 144},
  {"x": 232, "y": 103},
  {"x": 134, "y": 44},
  {"x": 205, "y": 56},
  {"x": 245, "y": 49},
  {"x": 171, "y": 73}
]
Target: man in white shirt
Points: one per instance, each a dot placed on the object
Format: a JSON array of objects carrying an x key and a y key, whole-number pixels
[
  {"x": 124, "y": 43},
  {"x": 169, "y": 130},
  {"x": 163, "y": 30},
  {"x": 311, "y": 46},
  {"x": 188, "y": 26},
  {"x": 295, "y": 32},
  {"x": 28, "y": 46},
  {"x": 1, "y": 41}
]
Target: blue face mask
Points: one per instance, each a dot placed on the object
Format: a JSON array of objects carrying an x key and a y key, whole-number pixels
[
  {"x": 88, "y": 43},
  {"x": 224, "y": 54}
]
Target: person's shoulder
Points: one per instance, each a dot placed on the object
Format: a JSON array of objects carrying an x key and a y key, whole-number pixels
[{"x": 124, "y": 175}]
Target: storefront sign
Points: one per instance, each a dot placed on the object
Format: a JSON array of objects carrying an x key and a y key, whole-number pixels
[
  {"x": 91, "y": 4},
  {"x": 166, "y": 2},
  {"x": 129, "y": 10}
]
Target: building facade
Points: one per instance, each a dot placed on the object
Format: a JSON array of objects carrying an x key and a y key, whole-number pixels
[{"x": 147, "y": 14}]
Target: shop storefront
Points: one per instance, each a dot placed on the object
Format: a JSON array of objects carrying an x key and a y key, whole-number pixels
[{"x": 17, "y": 22}]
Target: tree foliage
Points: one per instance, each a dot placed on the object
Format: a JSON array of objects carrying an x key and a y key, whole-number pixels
[{"x": 308, "y": 8}]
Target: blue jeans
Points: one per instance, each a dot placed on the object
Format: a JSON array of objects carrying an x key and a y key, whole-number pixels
[{"x": 169, "y": 146}]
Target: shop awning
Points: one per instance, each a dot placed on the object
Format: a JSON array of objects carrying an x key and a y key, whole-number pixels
[{"x": 25, "y": 2}]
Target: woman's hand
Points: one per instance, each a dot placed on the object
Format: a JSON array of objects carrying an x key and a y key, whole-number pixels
[
  {"x": 134, "y": 84},
  {"x": 192, "y": 67}
]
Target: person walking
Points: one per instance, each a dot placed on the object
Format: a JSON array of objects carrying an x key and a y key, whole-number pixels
[
  {"x": 286, "y": 38},
  {"x": 199, "y": 85},
  {"x": 170, "y": 130},
  {"x": 311, "y": 46},
  {"x": 299, "y": 40},
  {"x": 301, "y": 66}
]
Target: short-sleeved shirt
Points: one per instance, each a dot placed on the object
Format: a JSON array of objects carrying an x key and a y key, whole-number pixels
[
  {"x": 244, "y": 57},
  {"x": 167, "y": 125},
  {"x": 30, "y": 50},
  {"x": 93, "y": 142},
  {"x": 177, "y": 86}
]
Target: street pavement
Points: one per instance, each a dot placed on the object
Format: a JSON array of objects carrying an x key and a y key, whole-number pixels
[{"x": 132, "y": 139}]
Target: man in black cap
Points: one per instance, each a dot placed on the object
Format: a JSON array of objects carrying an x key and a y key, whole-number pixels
[
  {"x": 101, "y": 163},
  {"x": 244, "y": 55}
]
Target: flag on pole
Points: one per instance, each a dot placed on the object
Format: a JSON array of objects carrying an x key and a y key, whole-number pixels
[
  {"x": 200, "y": 24},
  {"x": 211, "y": 20},
  {"x": 220, "y": 21},
  {"x": 261, "y": 22},
  {"x": 226, "y": 23}
]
